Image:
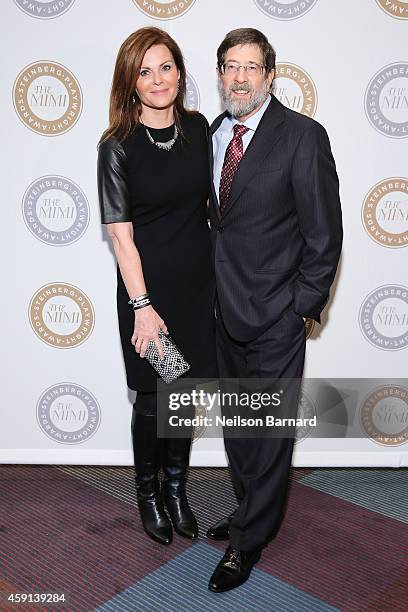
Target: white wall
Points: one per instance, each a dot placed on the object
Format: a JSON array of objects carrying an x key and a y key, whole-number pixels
[{"x": 66, "y": 394}]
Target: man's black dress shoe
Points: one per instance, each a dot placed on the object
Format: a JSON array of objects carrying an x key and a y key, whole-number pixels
[
  {"x": 220, "y": 531},
  {"x": 233, "y": 569}
]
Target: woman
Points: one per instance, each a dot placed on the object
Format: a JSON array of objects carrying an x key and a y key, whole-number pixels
[{"x": 153, "y": 186}]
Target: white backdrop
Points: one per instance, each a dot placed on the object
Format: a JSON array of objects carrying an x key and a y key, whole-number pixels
[{"x": 345, "y": 63}]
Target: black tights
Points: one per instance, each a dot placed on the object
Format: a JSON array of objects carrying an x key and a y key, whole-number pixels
[{"x": 146, "y": 402}]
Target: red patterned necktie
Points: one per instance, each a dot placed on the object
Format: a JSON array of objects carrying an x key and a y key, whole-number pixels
[{"x": 233, "y": 154}]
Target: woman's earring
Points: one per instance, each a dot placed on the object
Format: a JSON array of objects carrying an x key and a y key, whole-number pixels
[
  {"x": 178, "y": 85},
  {"x": 134, "y": 98}
]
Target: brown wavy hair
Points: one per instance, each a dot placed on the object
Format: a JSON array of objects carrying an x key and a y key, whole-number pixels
[
  {"x": 248, "y": 36},
  {"x": 124, "y": 104}
]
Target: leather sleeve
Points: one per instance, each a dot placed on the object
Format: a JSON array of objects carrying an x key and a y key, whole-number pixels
[{"x": 112, "y": 182}]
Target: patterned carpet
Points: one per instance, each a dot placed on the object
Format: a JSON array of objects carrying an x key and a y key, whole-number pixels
[{"x": 75, "y": 530}]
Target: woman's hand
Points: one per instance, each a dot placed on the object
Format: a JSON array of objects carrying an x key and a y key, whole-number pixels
[{"x": 147, "y": 327}]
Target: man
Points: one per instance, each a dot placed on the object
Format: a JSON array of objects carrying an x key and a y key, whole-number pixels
[{"x": 276, "y": 232}]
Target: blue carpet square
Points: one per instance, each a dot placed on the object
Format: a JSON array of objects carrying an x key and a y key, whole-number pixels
[{"x": 185, "y": 579}]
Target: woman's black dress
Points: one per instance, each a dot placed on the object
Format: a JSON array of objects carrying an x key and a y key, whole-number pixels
[{"x": 164, "y": 194}]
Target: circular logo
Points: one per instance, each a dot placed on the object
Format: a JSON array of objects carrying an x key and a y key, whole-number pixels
[
  {"x": 310, "y": 325},
  {"x": 192, "y": 100},
  {"x": 295, "y": 89},
  {"x": 384, "y": 415},
  {"x": 285, "y": 9},
  {"x": 68, "y": 413},
  {"x": 386, "y": 100},
  {"x": 383, "y": 317},
  {"x": 55, "y": 210},
  {"x": 201, "y": 412},
  {"x": 385, "y": 213},
  {"x": 61, "y": 315},
  {"x": 306, "y": 410},
  {"x": 47, "y": 98},
  {"x": 44, "y": 9},
  {"x": 395, "y": 8},
  {"x": 164, "y": 9},
  {"x": 202, "y": 409}
]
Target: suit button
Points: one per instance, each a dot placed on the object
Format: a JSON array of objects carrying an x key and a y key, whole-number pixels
[{"x": 220, "y": 229}]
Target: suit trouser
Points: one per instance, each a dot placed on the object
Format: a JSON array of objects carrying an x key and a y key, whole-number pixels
[{"x": 260, "y": 466}]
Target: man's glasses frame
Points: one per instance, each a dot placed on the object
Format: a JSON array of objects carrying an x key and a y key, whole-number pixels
[{"x": 251, "y": 68}]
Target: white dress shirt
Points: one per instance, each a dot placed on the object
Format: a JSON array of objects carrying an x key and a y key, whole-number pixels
[{"x": 224, "y": 134}]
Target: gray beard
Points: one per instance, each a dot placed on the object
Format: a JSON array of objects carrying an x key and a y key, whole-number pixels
[{"x": 239, "y": 108}]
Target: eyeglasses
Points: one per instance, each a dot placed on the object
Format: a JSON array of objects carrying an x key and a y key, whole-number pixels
[{"x": 232, "y": 68}]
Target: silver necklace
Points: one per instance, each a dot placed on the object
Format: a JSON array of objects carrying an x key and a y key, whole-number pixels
[{"x": 163, "y": 145}]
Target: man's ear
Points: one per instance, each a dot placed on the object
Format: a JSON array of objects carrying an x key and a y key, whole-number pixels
[{"x": 271, "y": 76}]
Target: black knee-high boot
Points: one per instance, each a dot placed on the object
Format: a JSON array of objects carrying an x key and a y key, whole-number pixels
[
  {"x": 176, "y": 459},
  {"x": 147, "y": 456}
]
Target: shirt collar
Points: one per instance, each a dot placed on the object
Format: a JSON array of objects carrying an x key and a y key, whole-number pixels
[{"x": 253, "y": 121}]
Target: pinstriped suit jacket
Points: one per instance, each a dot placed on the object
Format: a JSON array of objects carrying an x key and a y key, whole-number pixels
[{"x": 279, "y": 240}]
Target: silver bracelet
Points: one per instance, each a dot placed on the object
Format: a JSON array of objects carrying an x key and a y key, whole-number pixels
[{"x": 140, "y": 302}]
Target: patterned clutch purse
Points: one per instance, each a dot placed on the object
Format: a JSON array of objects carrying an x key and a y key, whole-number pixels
[{"x": 173, "y": 363}]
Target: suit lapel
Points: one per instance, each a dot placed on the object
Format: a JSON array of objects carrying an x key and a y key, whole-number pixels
[
  {"x": 214, "y": 127},
  {"x": 264, "y": 139}
]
